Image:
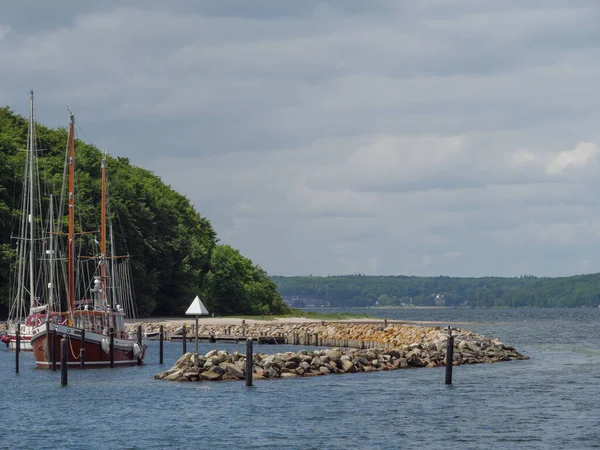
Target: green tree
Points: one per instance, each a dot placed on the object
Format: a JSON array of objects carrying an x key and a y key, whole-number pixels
[{"x": 235, "y": 285}]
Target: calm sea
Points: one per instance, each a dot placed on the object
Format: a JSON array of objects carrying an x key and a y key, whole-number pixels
[{"x": 551, "y": 400}]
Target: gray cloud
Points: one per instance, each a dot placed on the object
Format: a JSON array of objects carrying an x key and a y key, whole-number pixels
[{"x": 432, "y": 137}]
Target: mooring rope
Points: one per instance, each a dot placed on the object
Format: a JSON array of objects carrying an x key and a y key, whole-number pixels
[{"x": 72, "y": 352}]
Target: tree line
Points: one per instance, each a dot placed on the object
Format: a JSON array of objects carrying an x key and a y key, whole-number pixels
[
  {"x": 175, "y": 252},
  {"x": 366, "y": 291}
]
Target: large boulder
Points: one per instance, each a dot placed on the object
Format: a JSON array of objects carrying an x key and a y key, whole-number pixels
[
  {"x": 347, "y": 366},
  {"x": 232, "y": 369},
  {"x": 174, "y": 376},
  {"x": 209, "y": 375}
]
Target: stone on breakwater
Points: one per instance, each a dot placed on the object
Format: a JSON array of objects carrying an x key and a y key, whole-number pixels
[
  {"x": 413, "y": 346},
  {"x": 224, "y": 366}
]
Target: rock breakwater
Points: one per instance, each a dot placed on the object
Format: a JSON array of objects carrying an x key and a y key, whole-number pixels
[
  {"x": 427, "y": 350},
  {"x": 336, "y": 334}
]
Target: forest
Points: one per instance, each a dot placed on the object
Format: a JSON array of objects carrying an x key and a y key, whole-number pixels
[
  {"x": 367, "y": 291},
  {"x": 175, "y": 253}
]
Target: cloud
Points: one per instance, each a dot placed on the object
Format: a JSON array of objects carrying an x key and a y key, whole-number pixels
[
  {"x": 4, "y": 30},
  {"x": 584, "y": 154},
  {"x": 340, "y": 136}
]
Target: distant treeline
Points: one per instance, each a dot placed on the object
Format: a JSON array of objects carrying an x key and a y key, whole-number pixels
[{"x": 361, "y": 290}]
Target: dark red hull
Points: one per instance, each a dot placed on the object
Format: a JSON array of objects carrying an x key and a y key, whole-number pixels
[{"x": 95, "y": 356}]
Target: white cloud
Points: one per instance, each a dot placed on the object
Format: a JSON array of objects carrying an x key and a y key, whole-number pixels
[{"x": 584, "y": 154}]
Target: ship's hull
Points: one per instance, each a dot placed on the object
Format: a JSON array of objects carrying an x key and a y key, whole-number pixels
[
  {"x": 25, "y": 342},
  {"x": 96, "y": 345},
  {"x": 10, "y": 337}
]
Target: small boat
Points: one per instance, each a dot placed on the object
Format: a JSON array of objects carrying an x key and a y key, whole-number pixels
[
  {"x": 95, "y": 326},
  {"x": 152, "y": 334}
]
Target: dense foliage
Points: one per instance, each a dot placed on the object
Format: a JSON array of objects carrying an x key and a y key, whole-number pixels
[
  {"x": 244, "y": 286},
  {"x": 174, "y": 251},
  {"x": 360, "y": 290}
]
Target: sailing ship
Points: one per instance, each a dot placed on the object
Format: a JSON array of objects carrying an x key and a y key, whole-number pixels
[
  {"x": 30, "y": 303},
  {"x": 95, "y": 326}
]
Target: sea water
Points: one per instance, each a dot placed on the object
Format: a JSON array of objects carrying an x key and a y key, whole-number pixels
[{"x": 551, "y": 400}]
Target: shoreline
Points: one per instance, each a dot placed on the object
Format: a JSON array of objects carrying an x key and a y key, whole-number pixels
[{"x": 179, "y": 321}]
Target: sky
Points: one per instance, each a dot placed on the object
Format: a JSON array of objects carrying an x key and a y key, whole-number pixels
[{"x": 431, "y": 137}]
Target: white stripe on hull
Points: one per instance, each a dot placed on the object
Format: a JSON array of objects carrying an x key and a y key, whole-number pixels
[
  {"x": 25, "y": 345},
  {"x": 132, "y": 362}
]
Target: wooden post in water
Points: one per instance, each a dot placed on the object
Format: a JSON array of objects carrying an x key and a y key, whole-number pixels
[
  {"x": 53, "y": 348},
  {"x": 249, "y": 362},
  {"x": 384, "y": 323},
  {"x": 17, "y": 347},
  {"x": 47, "y": 351},
  {"x": 82, "y": 350},
  {"x": 449, "y": 356},
  {"x": 111, "y": 348},
  {"x": 161, "y": 338},
  {"x": 139, "y": 339},
  {"x": 64, "y": 356},
  {"x": 184, "y": 340},
  {"x": 196, "y": 336}
]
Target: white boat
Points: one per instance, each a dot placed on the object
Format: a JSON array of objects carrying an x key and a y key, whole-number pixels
[{"x": 152, "y": 334}]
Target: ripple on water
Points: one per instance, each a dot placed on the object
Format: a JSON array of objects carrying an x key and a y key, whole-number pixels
[{"x": 549, "y": 401}]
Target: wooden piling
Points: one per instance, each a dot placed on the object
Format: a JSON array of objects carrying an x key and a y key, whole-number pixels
[
  {"x": 449, "y": 356},
  {"x": 184, "y": 340},
  {"x": 53, "y": 349},
  {"x": 82, "y": 350},
  {"x": 64, "y": 355},
  {"x": 244, "y": 327},
  {"x": 196, "y": 335},
  {"x": 139, "y": 339},
  {"x": 249, "y": 362},
  {"x": 384, "y": 323},
  {"x": 17, "y": 347},
  {"x": 161, "y": 335},
  {"x": 111, "y": 348},
  {"x": 48, "y": 339}
]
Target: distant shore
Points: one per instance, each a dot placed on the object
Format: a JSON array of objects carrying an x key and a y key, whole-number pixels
[{"x": 179, "y": 321}]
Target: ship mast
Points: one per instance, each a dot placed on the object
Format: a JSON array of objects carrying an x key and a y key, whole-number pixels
[
  {"x": 71, "y": 235},
  {"x": 31, "y": 204},
  {"x": 103, "y": 235},
  {"x": 50, "y": 252}
]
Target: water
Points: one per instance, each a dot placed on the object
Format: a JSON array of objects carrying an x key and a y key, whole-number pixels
[{"x": 548, "y": 401}]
